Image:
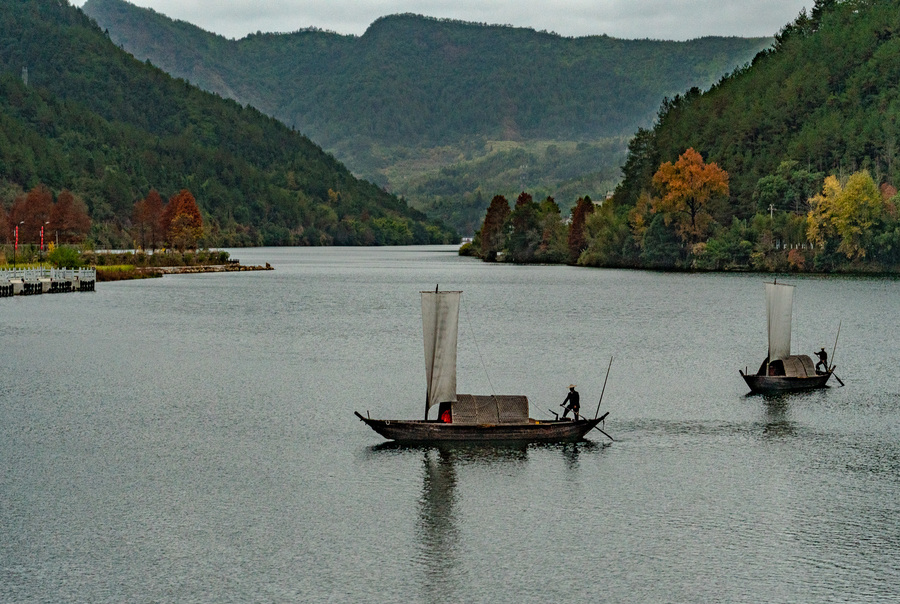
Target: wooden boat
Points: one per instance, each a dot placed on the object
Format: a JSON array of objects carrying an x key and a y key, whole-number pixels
[
  {"x": 466, "y": 417},
  {"x": 781, "y": 371}
]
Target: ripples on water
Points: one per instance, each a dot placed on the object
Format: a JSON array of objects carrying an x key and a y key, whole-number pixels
[{"x": 192, "y": 439}]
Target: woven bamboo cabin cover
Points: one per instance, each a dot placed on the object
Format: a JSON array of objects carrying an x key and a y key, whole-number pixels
[{"x": 470, "y": 409}]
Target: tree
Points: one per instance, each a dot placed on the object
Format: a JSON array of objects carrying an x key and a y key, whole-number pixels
[
  {"x": 846, "y": 214},
  {"x": 146, "y": 216},
  {"x": 610, "y": 240},
  {"x": 552, "y": 247},
  {"x": 69, "y": 218},
  {"x": 577, "y": 242},
  {"x": 661, "y": 248},
  {"x": 525, "y": 230},
  {"x": 30, "y": 212},
  {"x": 686, "y": 188},
  {"x": 492, "y": 236},
  {"x": 789, "y": 189},
  {"x": 184, "y": 222},
  {"x": 4, "y": 224}
]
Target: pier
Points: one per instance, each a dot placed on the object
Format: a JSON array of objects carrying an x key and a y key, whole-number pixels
[{"x": 33, "y": 281}]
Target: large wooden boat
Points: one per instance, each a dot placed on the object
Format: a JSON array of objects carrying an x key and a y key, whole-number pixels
[
  {"x": 782, "y": 371},
  {"x": 466, "y": 417}
]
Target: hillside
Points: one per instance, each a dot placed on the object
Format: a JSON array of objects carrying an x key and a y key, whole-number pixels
[
  {"x": 808, "y": 135},
  {"x": 415, "y": 95},
  {"x": 96, "y": 121}
]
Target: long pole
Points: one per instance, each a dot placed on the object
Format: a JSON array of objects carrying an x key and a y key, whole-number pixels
[
  {"x": 835, "y": 346},
  {"x": 604, "y": 390}
]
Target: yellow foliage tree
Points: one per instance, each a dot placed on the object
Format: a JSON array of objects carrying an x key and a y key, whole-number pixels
[
  {"x": 686, "y": 188},
  {"x": 846, "y": 213}
]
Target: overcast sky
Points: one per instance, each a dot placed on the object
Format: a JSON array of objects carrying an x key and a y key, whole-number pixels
[{"x": 658, "y": 19}]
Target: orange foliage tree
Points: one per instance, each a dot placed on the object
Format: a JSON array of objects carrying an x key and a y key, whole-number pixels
[
  {"x": 147, "y": 215},
  {"x": 182, "y": 221},
  {"x": 492, "y": 237},
  {"x": 686, "y": 188},
  {"x": 30, "y": 212},
  {"x": 69, "y": 220}
]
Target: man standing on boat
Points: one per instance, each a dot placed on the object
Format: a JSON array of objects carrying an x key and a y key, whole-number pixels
[
  {"x": 823, "y": 360},
  {"x": 572, "y": 402}
]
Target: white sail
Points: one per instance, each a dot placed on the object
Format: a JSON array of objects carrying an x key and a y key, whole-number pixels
[
  {"x": 779, "y": 306},
  {"x": 440, "y": 323}
]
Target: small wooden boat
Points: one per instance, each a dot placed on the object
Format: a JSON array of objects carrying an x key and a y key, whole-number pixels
[
  {"x": 466, "y": 417},
  {"x": 781, "y": 371},
  {"x": 530, "y": 431}
]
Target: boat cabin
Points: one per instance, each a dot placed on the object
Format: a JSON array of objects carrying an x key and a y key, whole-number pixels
[
  {"x": 474, "y": 410},
  {"x": 798, "y": 365}
]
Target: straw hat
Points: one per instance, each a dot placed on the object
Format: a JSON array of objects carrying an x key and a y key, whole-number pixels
[{"x": 571, "y": 385}]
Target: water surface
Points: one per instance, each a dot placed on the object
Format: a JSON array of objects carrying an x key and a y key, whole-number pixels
[{"x": 192, "y": 439}]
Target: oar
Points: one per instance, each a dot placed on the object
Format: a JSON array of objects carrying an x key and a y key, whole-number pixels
[
  {"x": 836, "y": 377},
  {"x": 601, "y": 430},
  {"x": 607, "y": 435},
  {"x": 604, "y": 390}
]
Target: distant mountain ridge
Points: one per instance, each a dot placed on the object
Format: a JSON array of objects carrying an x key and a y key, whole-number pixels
[{"x": 411, "y": 83}]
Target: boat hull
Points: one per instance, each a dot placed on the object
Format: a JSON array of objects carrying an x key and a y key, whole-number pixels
[
  {"x": 768, "y": 384},
  {"x": 433, "y": 431}
]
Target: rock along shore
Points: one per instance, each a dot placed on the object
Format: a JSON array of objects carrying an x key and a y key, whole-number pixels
[{"x": 210, "y": 268}]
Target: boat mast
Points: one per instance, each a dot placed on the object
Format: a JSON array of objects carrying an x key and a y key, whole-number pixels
[{"x": 433, "y": 354}]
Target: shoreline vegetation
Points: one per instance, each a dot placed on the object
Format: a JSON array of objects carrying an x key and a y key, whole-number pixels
[
  {"x": 851, "y": 227},
  {"x": 789, "y": 164},
  {"x": 127, "y": 265}
]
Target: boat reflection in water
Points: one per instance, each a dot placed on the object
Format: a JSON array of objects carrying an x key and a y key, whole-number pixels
[
  {"x": 777, "y": 422},
  {"x": 444, "y": 466}
]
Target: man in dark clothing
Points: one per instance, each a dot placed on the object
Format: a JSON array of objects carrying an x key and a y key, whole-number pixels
[
  {"x": 823, "y": 360},
  {"x": 572, "y": 402}
]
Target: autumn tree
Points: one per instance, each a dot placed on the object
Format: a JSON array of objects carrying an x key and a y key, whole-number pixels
[
  {"x": 183, "y": 222},
  {"x": 577, "y": 241},
  {"x": 492, "y": 236},
  {"x": 69, "y": 220},
  {"x": 30, "y": 212},
  {"x": 146, "y": 216},
  {"x": 686, "y": 189},
  {"x": 846, "y": 215}
]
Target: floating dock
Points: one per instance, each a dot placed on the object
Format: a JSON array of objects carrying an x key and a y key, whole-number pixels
[{"x": 33, "y": 281}]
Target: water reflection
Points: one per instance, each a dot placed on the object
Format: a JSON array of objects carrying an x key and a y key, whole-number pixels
[
  {"x": 777, "y": 422},
  {"x": 437, "y": 530}
]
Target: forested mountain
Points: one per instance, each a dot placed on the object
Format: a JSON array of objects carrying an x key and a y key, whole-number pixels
[
  {"x": 809, "y": 136},
  {"x": 78, "y": 113},
  {"x": 414, "y": 95}
]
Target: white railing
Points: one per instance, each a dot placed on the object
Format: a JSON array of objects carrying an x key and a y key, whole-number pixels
[{"x": 54, "y": 274}]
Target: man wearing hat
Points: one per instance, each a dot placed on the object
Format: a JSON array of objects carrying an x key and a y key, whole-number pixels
[
  {"x": 573, "y": 400},
  {"x": 823, "y": 360}
]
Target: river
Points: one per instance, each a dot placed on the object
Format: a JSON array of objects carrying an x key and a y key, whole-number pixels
[{"x": 192, "y": 439}]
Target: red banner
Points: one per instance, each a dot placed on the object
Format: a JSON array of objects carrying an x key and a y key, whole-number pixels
[{"x": 17, "y": 237}]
